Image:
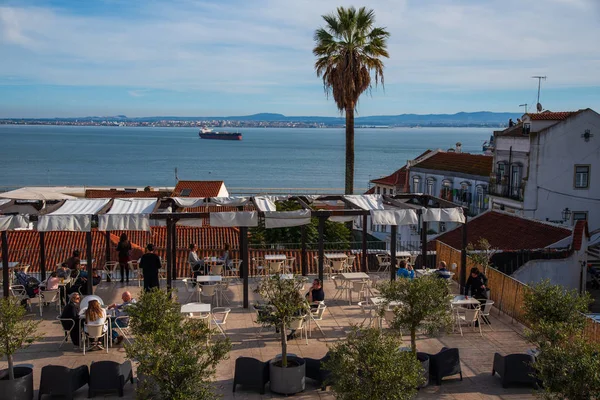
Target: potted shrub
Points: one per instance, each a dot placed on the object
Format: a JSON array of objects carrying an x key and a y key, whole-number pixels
[
  {"x": 16, "y": 333},
  {"x": 368, "y": 365},
  {"x": 284, "y": 304},
  {"x": 176, "y": 357}
]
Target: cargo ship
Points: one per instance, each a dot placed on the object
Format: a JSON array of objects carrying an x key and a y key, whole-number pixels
[{"x": 206, "y": 133}]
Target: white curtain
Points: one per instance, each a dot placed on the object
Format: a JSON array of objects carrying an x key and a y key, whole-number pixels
[
  {"x": 127, "y": 215},
  {"x": 73, "y": 215},
  {"x": 235, "y": 201},
  {"x": 366, "y": 201},
  {"x": 283, "y": 219},
  {"x": 189, "y": 202},
  {"x": 265, "y": 203},
  {"x": 234, "y": 218},
  {"x": 444, "y": 215},
  {"x": 12, "y": 222},
  {"x": 394, "y": 217},
  {"x": 342, "y": 218}
]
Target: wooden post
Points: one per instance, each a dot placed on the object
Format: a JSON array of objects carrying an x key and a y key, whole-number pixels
[
  {"x": 321, "y": 245},
  {"x": 174, "y": 251},
  {"x": 244, "y": 257},
  {"x": 393, "y": 237},
  {"x": 423, "y": 243},
  {"x": 5, "y": 275},
  {"x": 169, "y": 254},
  {"x": 463, "y": 256},
  {"x": 90, "y": 267},
  {"x": 303, "y": 251},
  {"x": 107, "y": 243},
  {"x": 364, "y": 262},
  {"x": 42, "y": 256}
]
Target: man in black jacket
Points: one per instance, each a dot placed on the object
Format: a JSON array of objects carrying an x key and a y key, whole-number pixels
[{"x": 477, "y": 286}]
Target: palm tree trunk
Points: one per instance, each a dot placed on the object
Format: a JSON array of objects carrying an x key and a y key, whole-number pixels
[{"x": 349, "y": 189}]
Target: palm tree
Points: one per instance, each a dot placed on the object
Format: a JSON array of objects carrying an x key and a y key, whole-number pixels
[{"x": 348, "y": 50}]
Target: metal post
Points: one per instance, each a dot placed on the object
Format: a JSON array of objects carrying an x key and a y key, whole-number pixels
[
  {"x": 364, "y": 265},
  {"x": 90, "y": 269},
  {"x": 423, "y": 243},
  {"x": 174, "y": 251},
  {"x": 244, "y": 257},
  {"x": 5, "y": 276},
  {"x": 463, "y": 256},
  {"x": 107, "y": 242},
  {"x": 321, "y": 246},
  {"x": 303, "y": 250},
  {"x": 393, "y": 238},
  {"x": 43, "y": 256},
  {"x": 169, "y": 254}
]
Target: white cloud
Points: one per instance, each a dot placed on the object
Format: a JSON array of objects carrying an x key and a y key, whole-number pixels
[{"x": 262, "y": 46}]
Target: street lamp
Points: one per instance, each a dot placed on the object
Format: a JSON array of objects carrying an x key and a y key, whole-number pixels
[{"x": 566, "y": 214}]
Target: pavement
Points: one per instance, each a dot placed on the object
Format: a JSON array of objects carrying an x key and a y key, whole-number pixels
[{"x": 476, "y": 352}]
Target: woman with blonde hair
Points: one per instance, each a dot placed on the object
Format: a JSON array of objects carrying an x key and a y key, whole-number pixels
[{"x": 94, "y": 315}]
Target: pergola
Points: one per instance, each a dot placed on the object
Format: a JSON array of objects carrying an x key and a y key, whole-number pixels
[{"x": 140, "y": 214}]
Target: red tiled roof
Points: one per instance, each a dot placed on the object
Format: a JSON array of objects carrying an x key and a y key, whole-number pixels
[
  {"x": 580, "y": 229},
  {"x": 472, "y": 164},
  {"x": 370, "y": 191},
  {"x": 198, "y": 188},
  {"x": 111, "y": 194},
  {"x": 552, "y": 116},
  {"x": 506, "y": 232},
  {"x": 397, "y": 178}
]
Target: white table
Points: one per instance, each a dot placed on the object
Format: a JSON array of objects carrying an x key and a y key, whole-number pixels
[
  {"x": 354, "y": 276},
  {"x": 378, "y": 301},
  {"x": 335, "y": 256},
  {"x": 196, "y": 308},
  {"x": 461, "y": 300},
  {"x": 209, "y": 278},
  {"x": 275, "y": 257},
  {"x": 423, "y": 272}
]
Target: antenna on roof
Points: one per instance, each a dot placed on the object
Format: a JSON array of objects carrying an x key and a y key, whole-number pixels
[
  {"x": 539, "y": 78},
  {"x": 176, "y": 178},
  {"x": 524, "y": 105}
]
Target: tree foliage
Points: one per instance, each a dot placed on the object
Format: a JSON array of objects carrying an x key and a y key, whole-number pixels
[
  {"x": 481, "y": 253},
  {"x": 368, "y": 365},
  {"x": 334, "y": 232},
  {"x": 176, "y": 356},
  {"x": 284, "y": 302},
  {"x": 424, "y": 304}
]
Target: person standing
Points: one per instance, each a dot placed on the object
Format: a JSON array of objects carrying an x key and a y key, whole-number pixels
[
  {"x": 150, "y": 265},
  {"x": 124, "y": 248}
]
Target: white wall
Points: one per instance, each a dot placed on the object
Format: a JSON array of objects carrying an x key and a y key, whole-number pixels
[
  {"x": 223, "y": 192},
  {"x": 565, "y": 272},
  {"x": 554, "y": 154}
]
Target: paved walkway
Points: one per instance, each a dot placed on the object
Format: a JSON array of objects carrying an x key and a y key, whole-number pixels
[{"x": 476, "y": 352}]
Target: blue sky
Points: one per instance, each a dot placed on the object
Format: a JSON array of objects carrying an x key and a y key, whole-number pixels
[{"x": 234, "y": 57}]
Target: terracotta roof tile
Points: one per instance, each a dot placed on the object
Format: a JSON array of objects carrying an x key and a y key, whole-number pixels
[
  {"x": 506, "y": 232},
  {"x": 370, "y": 191},
  {"x": 580, "y": 229},
  {"x": 397, "y": 178},
  {"x": 112, "y": 194},
  {"x": 198, "y": 188},
  {"x": 552, "y": 116},
  {"x": 472, "y": 164}
]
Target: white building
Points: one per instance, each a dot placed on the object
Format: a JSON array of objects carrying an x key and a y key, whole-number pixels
[{"x": 544, "y": 167}]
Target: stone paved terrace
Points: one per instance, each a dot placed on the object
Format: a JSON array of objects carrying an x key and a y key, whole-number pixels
[{"x": 476, "y": 352}]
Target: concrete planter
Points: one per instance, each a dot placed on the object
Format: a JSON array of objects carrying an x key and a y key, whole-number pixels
[
  {"x": 21, "y": 388},
  {"x": 288, "y": 380}
]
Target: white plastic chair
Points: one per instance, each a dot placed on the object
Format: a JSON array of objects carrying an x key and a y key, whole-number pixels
[
  {"x": 49, "y": 296},
  {"x": 358, "y": 287},
  {"x": 221, "y": 289},
  {"x": 67, "y": 332},
  {"x": 288, "y": 265},
  {"x": 316, "y": 315},
  {"x": 259, "y": 265},
  {"x": 368, "y": 311},
  {"x": 219, "y": 317},
  {"x": 135, "y": 271},
  {"x": 350, "y": 263},
  {"x": 384, "y": 262},
  {"x": 484, "y": 314},
  {"x": 125, "y": 329},
  {"x": 299, "y": 324},
  {"x": 233, "y": 270},
  {"x": 340, "y": 286},
  {"x": 208, "y": 291},
  {"x": 110, "y": 270},
  {"x": 190, "y": 288},
  {"x": 216, "y": 269},
  {"x": 338, "y": 266},
  {"x": 95, "y": 332},
  {"x": 275, "y": 267},
  {"x": 468, "y": 316},
  {"x": 19, "y": 292}
]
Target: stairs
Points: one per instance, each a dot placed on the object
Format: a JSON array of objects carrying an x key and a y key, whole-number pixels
[{"x": 593, "y": 253}]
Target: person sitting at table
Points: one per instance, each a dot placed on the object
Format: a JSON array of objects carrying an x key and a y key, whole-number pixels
[
  {"x": 52, "y": 282},
  {"x": 71, "y": 311},
  {"x": 316, "y": 294},
  {"x": 225, "y": 257},
  {"x": 120, "y": 311},
  {"x": 94, "y": 315},
  {"x": 405, "y": 270},
  {"x": 196, "y": 264},
  {"x": 73, "y": 261},
  {"x": 150, "y": 265},
  {"x": 63, "y": 271},
  {"x": 442, "y": 271}
]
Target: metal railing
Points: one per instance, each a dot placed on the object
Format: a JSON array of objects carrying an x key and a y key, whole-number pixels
[{"x": 514, "y": 192}]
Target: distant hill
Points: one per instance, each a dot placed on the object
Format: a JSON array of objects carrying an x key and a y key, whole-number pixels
[{"x": 479, "y": 118}]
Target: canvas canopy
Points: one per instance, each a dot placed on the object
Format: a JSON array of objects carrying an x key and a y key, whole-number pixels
[
  {"x": 12, "y": 222},
  {"x": 394, "y": 217},
  {"x": 444, "y": 215},
  {"x": 284, "y": 219},
  {"x": 233, "y": 219},
  {"x": 366, "y": 201},
  {"x": 127, "y": 215},
  {"x": 73, "y": 215}
]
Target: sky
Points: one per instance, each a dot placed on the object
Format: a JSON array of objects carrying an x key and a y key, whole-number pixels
[{"x": 69, "y": 58}]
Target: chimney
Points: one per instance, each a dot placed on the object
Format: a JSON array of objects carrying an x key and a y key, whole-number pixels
[{"x": 459, "y": 147}]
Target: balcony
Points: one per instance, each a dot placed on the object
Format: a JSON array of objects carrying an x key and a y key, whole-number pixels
[{"x": 503, "y": 189}]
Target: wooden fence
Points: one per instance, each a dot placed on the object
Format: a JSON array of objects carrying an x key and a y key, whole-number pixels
[{"x": 506, "y": 292}]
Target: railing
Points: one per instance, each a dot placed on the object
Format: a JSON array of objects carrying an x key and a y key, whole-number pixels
[
  {"x": 506, "y": 292},
  {"x": 514, "y": 192}
]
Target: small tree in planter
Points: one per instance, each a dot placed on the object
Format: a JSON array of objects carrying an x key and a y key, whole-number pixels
[
  {"x": 175, "y": 355},
  {"x": 368, "y": 365},
  {"x": 481, "y": 253},
  {"x": 424, "y": 305},
  {"x": 284, "y": 303}
]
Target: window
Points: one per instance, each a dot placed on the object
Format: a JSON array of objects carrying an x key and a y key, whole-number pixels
[
  {"x": 446, "y": 192},
  {"x": 185, "y": 193},
  {"x": 384, "y": 191},
  {"x": 500, "y": 171},
  {"x": 465, "y": 192},
  {"x": 378, "y": 190},
  {"x": 430, "y": 186},
  {"x": 416, "y": 184},
  {"x": 481, "y": 192},
  {"x": 582, "y": 176},
  {"x": 580, "y": 216},
  {"x": 515, "y": 179},
  {"x": 391, "y": 191},
  {"x": 442, "y": 226}
]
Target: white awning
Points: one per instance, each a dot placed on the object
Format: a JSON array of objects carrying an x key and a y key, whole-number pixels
[
  {"x": 283, "y": 219},
  {"x": 13, "y": 222},
  {"x": 342, "y": 218},
  {"x": 444, "y": 215},
  {"x": 366, "y": 201},
  {"x": 189, "y": 202},
  {"x": 127, "y": 215},
  {"x": 234, "y": 218},
  {"x": 235, "y": 201},
  {"x": 265, "y": 203},
  {"x": 73, "y": 215},
  {"x": 4, "y": 201},
  {"x": 394, "y": 217}
]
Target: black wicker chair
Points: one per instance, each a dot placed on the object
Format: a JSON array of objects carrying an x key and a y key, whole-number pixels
[
  {"x": 316, "y": 371},
  {"x": 443, "y": 364},
  {"x": 515, "y": 368},
  {"x": 62, "y": 381},
  {"x": 109, "y": 376},
  {"x": 251, "y": 372}
]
